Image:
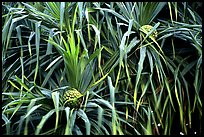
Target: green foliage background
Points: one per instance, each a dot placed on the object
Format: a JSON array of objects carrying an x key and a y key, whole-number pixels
[{"x": 132, "y": 82}]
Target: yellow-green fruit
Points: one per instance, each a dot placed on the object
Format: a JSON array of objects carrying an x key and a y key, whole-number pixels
[
  {"x": 72, "y": 98},
  {"x": 147, "y": 28}
]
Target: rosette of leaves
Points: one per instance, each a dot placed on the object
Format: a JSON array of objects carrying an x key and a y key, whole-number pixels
[{"x": 72, "y": 98}]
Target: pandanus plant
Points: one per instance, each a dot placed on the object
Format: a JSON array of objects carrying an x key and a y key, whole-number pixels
[{"x": 54, "y": 69}]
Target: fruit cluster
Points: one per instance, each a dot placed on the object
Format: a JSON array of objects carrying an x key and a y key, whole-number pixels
[
  {"x": 72, "y": 98},
  {"x": 147, "y": 28}
]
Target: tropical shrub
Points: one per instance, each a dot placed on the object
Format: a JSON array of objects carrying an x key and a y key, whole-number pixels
[{"x": 101, "y": 68}]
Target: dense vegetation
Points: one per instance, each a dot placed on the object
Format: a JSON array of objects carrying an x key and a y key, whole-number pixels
[{"x": 132, "y": 68}]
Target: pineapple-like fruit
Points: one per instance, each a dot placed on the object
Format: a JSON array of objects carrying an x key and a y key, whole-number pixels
[
  {"x": 147, "y": 28},
  {"x": 72, "y": 98}
]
